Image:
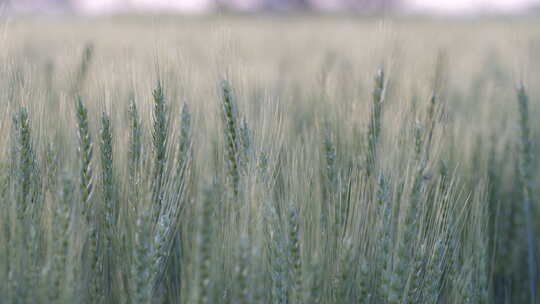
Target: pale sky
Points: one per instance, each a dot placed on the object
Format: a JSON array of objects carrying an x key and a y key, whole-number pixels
[
  {"x": 194, "y": 6},
  {"x": 457, "y": 6}
]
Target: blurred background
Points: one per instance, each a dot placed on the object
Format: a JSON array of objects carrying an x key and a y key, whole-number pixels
[{"x": 446, "y": 7}]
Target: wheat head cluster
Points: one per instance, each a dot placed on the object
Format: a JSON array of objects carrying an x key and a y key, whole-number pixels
[{"x": 269, "y": 160}]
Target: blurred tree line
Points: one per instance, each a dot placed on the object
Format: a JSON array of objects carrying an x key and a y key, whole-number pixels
[{"x": 361, "y": 5}]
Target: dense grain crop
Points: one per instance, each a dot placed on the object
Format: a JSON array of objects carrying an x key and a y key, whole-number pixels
[{"x": 272, "y": 160}]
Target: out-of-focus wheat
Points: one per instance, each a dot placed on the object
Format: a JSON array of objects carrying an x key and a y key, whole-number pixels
[{"x": 276, "y": 187}]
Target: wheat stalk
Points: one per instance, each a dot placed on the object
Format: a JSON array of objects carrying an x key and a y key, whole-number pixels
[{"x": 526, "y": 179}]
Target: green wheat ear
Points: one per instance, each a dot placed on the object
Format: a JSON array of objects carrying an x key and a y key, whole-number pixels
[
  {"x": 374, "y": 127},
  {"x": 135, "y": 141},
  {"x": 246, "y": 144},
  {"x": 277, "y": 251},
  {"x": 25, "y": 162},
  {"x": 107, "y": 172},
  {"x": 85, "y": 151},
  {"x": 110, "y": 213},
  {"x": 230, "y": 120},
  {"x": 86, "y": 187},
  {"x": 159, "y": 138},
  {"x": 384, "y": 213},
  {"x": 61, "y": 232},
  {"x": 184, "y": 144}
]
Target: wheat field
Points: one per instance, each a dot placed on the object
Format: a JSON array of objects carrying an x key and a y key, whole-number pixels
[{"x": 292, "y": 159}]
